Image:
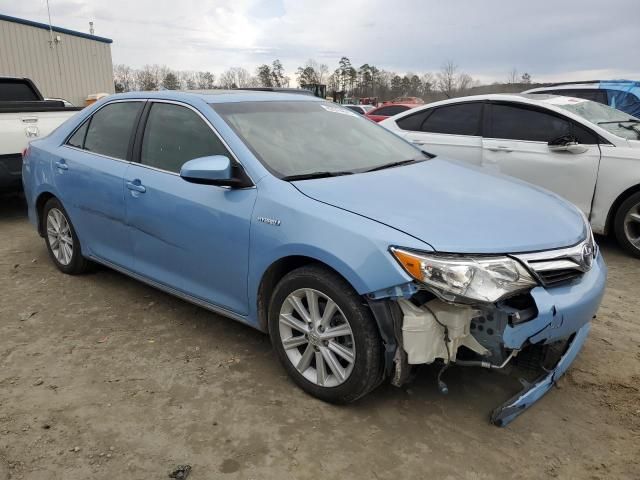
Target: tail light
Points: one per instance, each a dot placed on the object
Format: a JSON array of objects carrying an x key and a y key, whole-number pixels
[{"x": 25, "y": 152}]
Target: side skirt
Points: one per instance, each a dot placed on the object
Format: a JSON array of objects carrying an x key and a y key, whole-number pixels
[{"x": 176, "y": 293}]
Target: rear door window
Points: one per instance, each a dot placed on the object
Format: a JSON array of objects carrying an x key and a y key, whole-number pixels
[
  {"x": 516, "y": 123},
  {"x": 459, "y": 119},
  {"x": 174, "y": 135},
  {"x": 111, "y": 128}
]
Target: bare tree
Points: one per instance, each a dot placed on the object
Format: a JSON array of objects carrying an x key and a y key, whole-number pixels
[
  {"x": 146, "y": 78},
  {"x": 205, "y": 80},
  {"x": 526, "y": 78},
  {"x": 123, "y": 78},
  {"x": 236, "y": 77},
  {"x": 465, "y": 82},
  {"x": 447, "y": 79},
  {"x": 513, "y": 76}
]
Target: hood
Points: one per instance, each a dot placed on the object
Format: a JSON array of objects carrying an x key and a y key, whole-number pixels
[{"x": 455, "y": 208}]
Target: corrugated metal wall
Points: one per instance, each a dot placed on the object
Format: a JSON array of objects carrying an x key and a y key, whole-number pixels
[{"x": 73, "y": 69}]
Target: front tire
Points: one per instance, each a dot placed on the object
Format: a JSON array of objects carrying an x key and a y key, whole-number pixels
[
  {"x": 61, "y": 239},
  {"x": 324, "y": 335},
  {"x": 627, "y": 225}
]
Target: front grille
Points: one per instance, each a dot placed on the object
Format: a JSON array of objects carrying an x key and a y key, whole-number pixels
[
  {"x": 557, "y": 277},
  {"x": 557, "y": 267}
]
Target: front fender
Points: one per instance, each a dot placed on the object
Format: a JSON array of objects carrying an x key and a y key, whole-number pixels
[{"x": 287, "y": 223}]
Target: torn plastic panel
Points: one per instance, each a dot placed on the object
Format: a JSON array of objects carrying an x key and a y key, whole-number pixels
[
  {"x": 508, "y": 411},
  {"x": 492, "y": 335}
]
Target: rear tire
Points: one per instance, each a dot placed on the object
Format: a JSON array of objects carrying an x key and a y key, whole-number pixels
[
  {"x": 627, "y": 225},
  {"x": 324, "y": 335},
  {"x": 61, "y": 239}
]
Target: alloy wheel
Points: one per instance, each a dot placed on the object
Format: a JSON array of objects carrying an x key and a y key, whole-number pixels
[
  {"x": 317, "y": 337},
  {"x": 59, "y": 236},
  {"x": 632, "y": 225}
]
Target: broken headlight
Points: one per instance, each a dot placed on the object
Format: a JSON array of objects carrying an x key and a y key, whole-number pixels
[{"x": 467, "y": 279}]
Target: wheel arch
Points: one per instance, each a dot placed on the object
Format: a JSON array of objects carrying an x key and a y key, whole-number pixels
[
  {"x": 274, "y": 273},
  {"x": 43, "y": 198},
  {"x": 609, "y": 226}
]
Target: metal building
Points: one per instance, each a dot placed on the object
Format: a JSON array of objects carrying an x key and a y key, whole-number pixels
[{"x": 62, "y": 63}]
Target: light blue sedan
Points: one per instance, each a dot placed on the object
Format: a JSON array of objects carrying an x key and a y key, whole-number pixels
[{"x": 360, "y": 255}]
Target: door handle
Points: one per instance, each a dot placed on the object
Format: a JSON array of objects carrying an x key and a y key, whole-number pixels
[
  {"x": 62, "y": 165},
  {"x": 418, "y": 142},
  {"x": 136, "y": 186},
  {"x": 500, "y": 148}
]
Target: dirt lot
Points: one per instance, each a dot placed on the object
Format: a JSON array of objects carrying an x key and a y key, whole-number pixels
[{"x": 103, "y": 377}]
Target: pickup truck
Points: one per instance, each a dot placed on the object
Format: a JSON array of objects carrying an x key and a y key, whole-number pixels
[{"x": 24, "y": 116}]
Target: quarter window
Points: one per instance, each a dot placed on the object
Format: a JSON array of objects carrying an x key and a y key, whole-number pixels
[
  {"x": 390, "y": 110},
  {"x": 174, "y": 135},
  {"x": 515, "y": 123},
  {"x": 460, "y": 119},
  {"x": 110, "y": 129},
  {"x": 77, "y": 139},
  {"x": 414, "y": 121}
]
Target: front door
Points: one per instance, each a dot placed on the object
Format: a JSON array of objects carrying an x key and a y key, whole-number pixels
[
  {"x": 193, "y": 238},
  {"x": 517, "y": 145},
  {"x": 89, "y": 175}
]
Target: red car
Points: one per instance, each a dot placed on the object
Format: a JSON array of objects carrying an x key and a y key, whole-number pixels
[{"x": 388, "y": 110}]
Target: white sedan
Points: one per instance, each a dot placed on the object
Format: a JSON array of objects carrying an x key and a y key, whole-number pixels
[{"x": 584, "y": 151}]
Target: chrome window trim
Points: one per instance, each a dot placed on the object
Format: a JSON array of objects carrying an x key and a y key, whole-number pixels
[{"x": 98, "y": 154}]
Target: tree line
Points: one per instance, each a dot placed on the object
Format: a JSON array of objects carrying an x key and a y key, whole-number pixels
[{"x": 364, "y": 81}]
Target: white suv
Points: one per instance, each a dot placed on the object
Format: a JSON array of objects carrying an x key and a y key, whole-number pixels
[{"x": 584, "y": 151}]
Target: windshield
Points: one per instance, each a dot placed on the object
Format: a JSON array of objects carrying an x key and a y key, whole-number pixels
[
  {"x": 615, "y": 121},
  {"x": 294, "y": 138}
]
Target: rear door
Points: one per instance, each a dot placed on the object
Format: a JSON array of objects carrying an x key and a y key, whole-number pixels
[
  {"x": 452, "y": 131},
  {"x": 190, "y": 237},
  {"x": 89, "y": 175},
  {"x": 516, "y": 144}
]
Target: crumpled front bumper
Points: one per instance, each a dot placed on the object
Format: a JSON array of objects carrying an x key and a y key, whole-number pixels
[{"x": 563, "y": 312}]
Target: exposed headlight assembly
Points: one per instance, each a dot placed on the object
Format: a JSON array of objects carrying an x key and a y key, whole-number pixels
[{"x": 466, "y": 279}]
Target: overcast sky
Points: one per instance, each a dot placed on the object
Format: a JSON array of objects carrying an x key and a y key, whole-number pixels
[{"x": 551, "y": 39}]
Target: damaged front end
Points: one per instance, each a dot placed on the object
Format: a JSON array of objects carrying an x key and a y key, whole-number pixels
[{"x": 538, "y": 328}]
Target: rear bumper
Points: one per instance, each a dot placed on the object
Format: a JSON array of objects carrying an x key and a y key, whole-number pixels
[
  {"x": 10, "y": 172},
  {"x": 564, "y": 313}
]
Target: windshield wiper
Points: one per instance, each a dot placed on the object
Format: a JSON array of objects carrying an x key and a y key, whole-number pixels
[
  {"x": 395, "y": 164},
  {"x": 312, "y": 175},
  {"x": 631, "y": 120}
]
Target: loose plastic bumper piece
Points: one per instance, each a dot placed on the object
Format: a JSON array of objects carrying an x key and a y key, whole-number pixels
[{"x": 508, "y": 411}]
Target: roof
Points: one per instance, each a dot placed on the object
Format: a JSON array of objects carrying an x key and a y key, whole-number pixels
[
  {"x": 45, "y": 26},
  {"x": 220, "y": 96}
]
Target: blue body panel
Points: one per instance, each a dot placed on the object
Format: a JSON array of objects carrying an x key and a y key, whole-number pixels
[
  {"x": 214, "y": 244},
  {"x": 453, "y": 206},
  {"x": 194, "y": 238},
  {"x": 562, "y": 310}
]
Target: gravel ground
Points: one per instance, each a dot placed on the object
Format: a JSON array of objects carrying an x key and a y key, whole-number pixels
[{"x": 102, "y": 377}]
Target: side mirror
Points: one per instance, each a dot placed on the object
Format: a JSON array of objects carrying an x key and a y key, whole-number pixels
[
  {"x": 567, "y": 143},
  {"x": 214, "y": 170}
]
